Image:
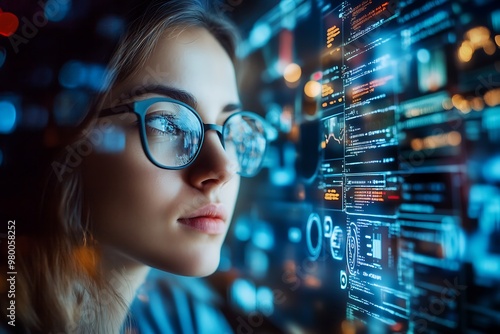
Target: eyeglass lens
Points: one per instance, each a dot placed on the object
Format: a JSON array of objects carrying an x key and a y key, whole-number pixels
[{"x": 174, "y": 134}]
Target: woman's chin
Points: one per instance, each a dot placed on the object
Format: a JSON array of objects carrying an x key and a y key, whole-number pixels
[{"x": 199, "y": 267}]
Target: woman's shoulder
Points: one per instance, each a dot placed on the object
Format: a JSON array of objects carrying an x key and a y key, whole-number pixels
[{"x": 168, "y": 303}]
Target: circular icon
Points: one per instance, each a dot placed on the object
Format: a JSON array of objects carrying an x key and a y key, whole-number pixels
[
  {"x": 313, "y": 233},
  {"x": 352, "y": 248},
  {"x": 337, "y": 243},
  {"x": 343, "y": 280},
  {"x": 327, "y": 226}
]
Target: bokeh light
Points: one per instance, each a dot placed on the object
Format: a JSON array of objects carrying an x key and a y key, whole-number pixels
[
  {"x": 72, "y": 74},
  {"x": 3, "y": 56},
  {"x": 8, "y": 116},
  {"x": 57, "y": 10},
  {"x": 312, "y": 89},
  {"x": 292, "y": 73}
]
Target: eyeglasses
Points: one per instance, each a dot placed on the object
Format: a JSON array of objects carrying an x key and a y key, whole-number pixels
[{"x": 172, "y": 134}]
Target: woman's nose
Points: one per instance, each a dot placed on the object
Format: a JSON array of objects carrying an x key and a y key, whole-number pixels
[{"x": 212, "y": 167}]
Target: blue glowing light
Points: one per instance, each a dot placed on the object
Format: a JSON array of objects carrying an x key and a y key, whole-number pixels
[
  {"x": 263, "y": 236},
  {"x": 423, "y": 56},
  {"x": 57, "y": 10},
  {"x": 260, "y": 34},
  {"x": 244, "y": 294},
  {"x": 242, "y": 230},
  {"x": 75, "y": 74},
  {"x": 7, "y": 117},
  {"x": 72, "y": 74},
  {"x": 110, "y": 141},
  {"x": 495, "y": 20},
  {"x": 3, "y": 56},
  {"x": 281, "y": 177},
  {"x": 1, "y": 157},
  {"x": 452, "y": 37},
  {"x": 257, "y": 261},
  {"x": 225, "y": 263},
  {"x": 96, "y": 78},
  {"x": 294, "y": 234},
  {"x": 265, "y": 300},
  {"x": 491, "y": 169}
]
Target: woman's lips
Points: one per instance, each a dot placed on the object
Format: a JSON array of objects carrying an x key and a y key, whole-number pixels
[{"x": 210, "y": 219}]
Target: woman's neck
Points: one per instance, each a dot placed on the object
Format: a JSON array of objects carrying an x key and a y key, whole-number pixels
[{"x": 123, "y": 276}]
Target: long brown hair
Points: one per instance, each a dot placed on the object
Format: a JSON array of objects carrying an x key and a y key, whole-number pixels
[{"x": 60, "y": 286}]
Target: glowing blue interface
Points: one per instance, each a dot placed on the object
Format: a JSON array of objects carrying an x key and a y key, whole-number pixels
[{"x": 379, "y": 209}]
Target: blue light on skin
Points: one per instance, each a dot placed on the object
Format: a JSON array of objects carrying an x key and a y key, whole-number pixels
[
  {"x": 110, "y": 141},
  {"x": 8, "y": 116},
  {"x": 57, "y": 10}
]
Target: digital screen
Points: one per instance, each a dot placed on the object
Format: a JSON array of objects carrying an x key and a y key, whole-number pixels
[
  {"x": 389, "y": 220},
  {"x": 378, "y": 206}
]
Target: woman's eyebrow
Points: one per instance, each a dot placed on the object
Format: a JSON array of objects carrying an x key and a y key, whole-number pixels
[
  {"x": 232, "y": 107},
  {"x": 176, "y": 94},
  {"x": 171, "y": 92}
]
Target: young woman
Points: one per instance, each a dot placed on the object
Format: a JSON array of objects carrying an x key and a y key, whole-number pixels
[{"x": 162, "y": 193}]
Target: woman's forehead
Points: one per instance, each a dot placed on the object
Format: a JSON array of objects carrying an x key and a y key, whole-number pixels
[{"x": 191, "y": 60}]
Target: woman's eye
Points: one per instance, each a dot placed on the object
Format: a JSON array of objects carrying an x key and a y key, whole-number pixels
[{"x": 162, "y": 124}]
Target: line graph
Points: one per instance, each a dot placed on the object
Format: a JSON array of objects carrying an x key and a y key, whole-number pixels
[{"x": 333, "y": 137}]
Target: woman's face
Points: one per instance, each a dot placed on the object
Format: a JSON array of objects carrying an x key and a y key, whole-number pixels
[{"x": 175, "y": 220}]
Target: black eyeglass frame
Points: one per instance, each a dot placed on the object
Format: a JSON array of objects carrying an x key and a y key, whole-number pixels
[{"x": 140, "y": 108}]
